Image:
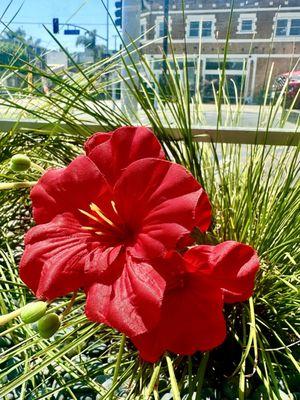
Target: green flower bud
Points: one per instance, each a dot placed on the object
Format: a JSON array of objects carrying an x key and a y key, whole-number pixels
[
  {"x": 20, "y": 163},
  {"x": 48, "y": 325},
  {"x": 33, "y": 311}
]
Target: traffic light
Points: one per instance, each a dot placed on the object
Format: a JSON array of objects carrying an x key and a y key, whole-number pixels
[
  {"x": 118, "y": 13},
  {"x": 55, "y": 24}
]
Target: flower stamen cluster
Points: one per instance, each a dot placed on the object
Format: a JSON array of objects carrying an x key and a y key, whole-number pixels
[{"x": 100, "y": 218}]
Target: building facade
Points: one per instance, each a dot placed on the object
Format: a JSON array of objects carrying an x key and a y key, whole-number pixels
[{"x": 264, "y": 38}]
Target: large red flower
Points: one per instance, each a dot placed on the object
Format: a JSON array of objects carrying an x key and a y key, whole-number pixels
[
  {"x": 191, "y": 316},
  {"x": 114, "y": 151},
  {"x": 105, "y": 221}
]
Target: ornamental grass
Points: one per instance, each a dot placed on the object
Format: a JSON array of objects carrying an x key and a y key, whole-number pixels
[{"x": 165, "y": 267}]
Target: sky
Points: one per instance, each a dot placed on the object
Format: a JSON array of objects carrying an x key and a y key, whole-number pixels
[{"x": 30, "y": 15}]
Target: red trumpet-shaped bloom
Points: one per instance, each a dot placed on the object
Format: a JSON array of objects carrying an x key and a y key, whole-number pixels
[
  {"x": 191, "y": 316},
  {"x": 105, "y": 222}
]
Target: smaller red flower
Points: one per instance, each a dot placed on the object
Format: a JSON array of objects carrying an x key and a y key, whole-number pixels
[
  {"x": 231, "y": 264},
  {"x": 191, "y": 316}
]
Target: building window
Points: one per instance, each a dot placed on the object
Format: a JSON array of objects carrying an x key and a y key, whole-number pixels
[
  {"x": 295, "y": 27},
  {"x": 143, "y": 29},
  {"x": 200, "y": 26},
  {"x": 206, "y": 28},
  {"x": 247, "y": 23},
  {"x": 281, "y": 27},
  {"x": 194, "y": 29},
  {"x": 229, "y": 65},
  {"x": 288, "y": 24},
  {"x": 160, "y": 27}
]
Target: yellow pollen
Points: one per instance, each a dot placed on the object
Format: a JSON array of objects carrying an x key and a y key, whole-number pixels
[{"x": 97, "y": 210}]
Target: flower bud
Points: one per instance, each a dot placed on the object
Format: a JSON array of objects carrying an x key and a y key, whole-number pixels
[
  {"x": 33, "y": 312},
  {"x": 20, "y": 163},
  {"x": 48, "y": 325}
]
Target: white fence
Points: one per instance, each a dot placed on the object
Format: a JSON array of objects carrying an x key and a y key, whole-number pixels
[{"x": 273, "y": 136}]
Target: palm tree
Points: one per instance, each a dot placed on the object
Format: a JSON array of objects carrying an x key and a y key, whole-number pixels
[
  {"x": 88, "y": 41},
  {"x": 19, "y": 37},
  {"x": 14, "y": 36},
  {"x": 34, "y": 42}
]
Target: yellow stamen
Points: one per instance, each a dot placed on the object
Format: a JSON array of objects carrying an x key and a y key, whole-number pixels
[
  {"x": 97, "y": 210},
  {"x": 89, "y": 215},
  {"x": 88, "y": 228},
  {"x": 99, "y": 233},
  {"x": 113, "y": 204}
]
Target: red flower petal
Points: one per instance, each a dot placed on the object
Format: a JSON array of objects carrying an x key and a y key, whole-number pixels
[
  {"x": 131, "y": 303},
  {"x": 126, "y": 145},
  {"x": 157, "y": 200},
  {"x": 231, "y": 264},
  {"x": 54, "y": 258},
  {"x": 105, "y": 263},
  {"x": 67, "y": 189},
  {"x": 95, "y": 139},
  {"x": 203, "y": 212},
  {"x": 191, "y": 319},
  {"x": 235, "y": 265}
]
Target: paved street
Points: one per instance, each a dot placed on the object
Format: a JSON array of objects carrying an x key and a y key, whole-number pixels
[{"x": 232, "y": 116}]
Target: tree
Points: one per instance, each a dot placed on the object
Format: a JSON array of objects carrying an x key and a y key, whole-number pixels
[
  {"x": 14, "y": 36},
  {"x": 13, "y": 40},
  {"x": 88, "y": 41},
  {"x": 18, "y": 50}
]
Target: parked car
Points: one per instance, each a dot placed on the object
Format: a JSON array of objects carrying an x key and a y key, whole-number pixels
[{"x": 292, "y": 88}]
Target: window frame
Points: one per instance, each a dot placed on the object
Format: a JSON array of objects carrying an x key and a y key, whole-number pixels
[
  {"x": 198, "y": 29},
  {"x": 211, "y": 29},
  {"x": 289, "y": 17},
  {"x": 298, "y": 27},
  {"x": 243, "y": 22},
  {"x": 143, "y": 24},
  {"x": 282, "y": 27},
  {"x": 158, "y": 20},
  {"x": 201, "y": 19},
  {"x": 247, "y": 17}
]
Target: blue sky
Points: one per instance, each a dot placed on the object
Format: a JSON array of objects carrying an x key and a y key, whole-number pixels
[{"x": 87, "y": 13}]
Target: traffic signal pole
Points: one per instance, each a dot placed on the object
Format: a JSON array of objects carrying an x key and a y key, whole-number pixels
[
  {"x": 107, "y": 27},
  {"x": 131, "y": 13},
  {"x": 166, "y": 37}
]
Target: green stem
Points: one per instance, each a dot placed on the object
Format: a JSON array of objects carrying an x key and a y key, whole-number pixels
[
  {"x": 37, "y": 167},
  {"x": 242, "y": 381},
  {"x": 69, "y": 306},
  {"x": 153, "y": 380},
  {"x": 118, "y": 363},
  {"x": 191, "y": 383},
  {"x": 174, "y": 386},
  {"x": 253, "y": 330},
  {"x": 4, "y": 319},
  {"x": 201, "y": 374},
  {"x": 16, "y": 185}
]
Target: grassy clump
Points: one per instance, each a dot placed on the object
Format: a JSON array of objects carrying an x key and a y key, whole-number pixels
[{"x": 254, "y": 191}]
